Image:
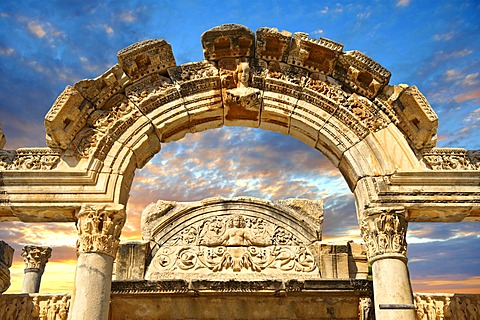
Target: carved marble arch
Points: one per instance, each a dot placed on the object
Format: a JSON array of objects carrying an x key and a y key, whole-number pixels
[{"x": 381, "y": 137}]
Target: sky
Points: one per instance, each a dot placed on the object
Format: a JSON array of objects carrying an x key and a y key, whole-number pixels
[{"x": 435, "y": 45}]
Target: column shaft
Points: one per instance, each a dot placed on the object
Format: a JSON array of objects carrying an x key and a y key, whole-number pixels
[
  {"x": 93, "y": 280},
  {"x": 31, "y": 280}
]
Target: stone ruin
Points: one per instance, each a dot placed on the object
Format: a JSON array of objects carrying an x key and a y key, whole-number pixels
[{"x": 237, "y": 258}]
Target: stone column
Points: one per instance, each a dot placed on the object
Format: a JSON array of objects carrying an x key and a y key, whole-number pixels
[
  {"x": 99, "y": 229},
  {"x": 35, "y": 258},
  {"x": 6, "y": 256},
  {"x": 384, "y": 231}
]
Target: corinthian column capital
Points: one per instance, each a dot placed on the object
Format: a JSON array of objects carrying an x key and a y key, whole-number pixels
[
  {"x": 36, "y": 257},
  {"x": 99, "y": 228},
  {"x": 384, "y": 231}
]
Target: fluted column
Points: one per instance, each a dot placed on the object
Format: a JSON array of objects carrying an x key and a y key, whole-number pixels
[
  {"x": 384, "y": 231},
  {"x": 35, "y": 258},
  {"x": 6, "y": 256},
  {"x": 99, "y": 228}
]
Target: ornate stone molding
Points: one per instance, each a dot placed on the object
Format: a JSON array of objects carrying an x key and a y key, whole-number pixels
[
  {"x": 451, "y": 159},
  {"x": 29, "y": 159},
  {"x": 99, "y": 228},
  {"x": 36, "y": 257},
  {"x": 384, "y": 231}
]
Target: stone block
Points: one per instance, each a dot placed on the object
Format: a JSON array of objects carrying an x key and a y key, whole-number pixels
[
  {"x": 130, "y": 261},
  {"x": 6, "y": 258},
  {"x": 272, "y": 44},
  {"x": 333, "y": 261},
  {"x": 417, "y": 118},
  {"x": 314, "y": 55},
  {"x": 199, "y": 87},
  {"x": 66, "y": 118},
  {"x": 357, "y": 261},
  {"x": 361, "y": 74},
  {"x": 145, "y": 57},
  {"x": 100, "y": 89},
  {"x": 228, "y": 41}
]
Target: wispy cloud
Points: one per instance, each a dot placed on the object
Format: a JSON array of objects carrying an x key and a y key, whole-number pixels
[
  {"x": 402, "y": 3},
  {"x": 444, "y": 36}
]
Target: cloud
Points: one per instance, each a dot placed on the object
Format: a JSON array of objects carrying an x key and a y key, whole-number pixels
[
  {"x": 444, "y": 36},
  {"x": 37, "y": 29},
  {"x": 470, "y": 95},
  {"x": 402, "y": 3},
  {"x": 128, "y": 17},
  {"x": 444, "y": 283},
  {"x": 7, "y": 51}
]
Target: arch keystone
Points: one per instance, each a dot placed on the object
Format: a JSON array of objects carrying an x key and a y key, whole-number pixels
[{"x": 228, "y": 41}]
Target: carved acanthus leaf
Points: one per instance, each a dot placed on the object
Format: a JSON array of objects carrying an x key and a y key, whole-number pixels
[
  {"x": 36, "y": 257},
  {"x": 384, "y": 231},
  {"x": 99, "y": 229}
]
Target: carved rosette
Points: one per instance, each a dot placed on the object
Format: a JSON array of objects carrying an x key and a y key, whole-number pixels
[
  {"x": 36, "y": 257},
  {"x": 384, "y": 231},
  {"x": 99, "y": 229}
]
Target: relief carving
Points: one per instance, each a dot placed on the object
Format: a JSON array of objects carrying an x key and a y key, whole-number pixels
[
  {"x": 366, "y": 112},
  {"x": 452, "y": 159},
  {"x": 29, "y": 159},
  {"x": 384, "y": 232},
  {"x": 147, "y": 86},
  {"x": 99, "y": 229},
  {"x": 366, "y": 309},
  {"x": 117, "y": 110},
  {"x": 226, "y": 41},
  {"x": 235, "y": 243},
  {"x": 241, "y": 102},
  {"x": 36, "y": 257},
  {"x": 438, "y": 307}
]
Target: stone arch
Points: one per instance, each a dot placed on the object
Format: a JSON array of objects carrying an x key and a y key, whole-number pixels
[
  {"x": 381, "y": 137},
  {"x": 336, "y": 102}
]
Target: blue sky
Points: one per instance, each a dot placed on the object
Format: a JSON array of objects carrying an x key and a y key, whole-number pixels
[{"x": 434, "y": 45}]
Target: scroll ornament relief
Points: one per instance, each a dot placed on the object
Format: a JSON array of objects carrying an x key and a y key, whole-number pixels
[
  {"x": 433, "y": 307},
  {"x": 36, "y": 257},
  {"x": 29, "y": 159},
  {"x": 99, "y": 230},
  {"x": 385, "y": 233},
  {"x": 234, "y": 244},
  {"x": 452, "y": 159}
]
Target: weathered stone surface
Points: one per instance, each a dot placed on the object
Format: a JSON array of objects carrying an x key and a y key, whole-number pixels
[
  {"x": 446, "y": 306},
  {"x": 66, "y": 118},
  {"x": 6, "y": 258},
  {"x": 418, "y": 120},
  {"x": 240, "y": 238},
  {"x": 228, "y": 41},
  {"x": 145, "y": 57},
  {"x": 130, "y": 261},
  {"x": 35, "y": 258},
  {"x": 361, "y": 74},
  {"x": 314, "y": 55},
  {"x": 272, "y": 44}
]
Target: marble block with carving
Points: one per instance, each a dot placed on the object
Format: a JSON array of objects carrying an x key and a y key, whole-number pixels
[{"x": 239, "y": 238}]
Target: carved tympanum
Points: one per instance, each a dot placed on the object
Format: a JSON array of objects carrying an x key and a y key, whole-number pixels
[
  {"x": 234, "y": 243},
  {"x": 384, "y": 231},
  {"x": 36, "y": 257},
  {"x": 452, "y": 159},
  {"x": 99, "y": 229}
]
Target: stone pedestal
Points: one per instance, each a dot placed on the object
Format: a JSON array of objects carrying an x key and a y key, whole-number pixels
[
  {"x": 35, "y": 258},
  {"x": 99, "y": 229},
  {"x": 6, "y": 256},
  {"x": 384, "y": 231}
]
